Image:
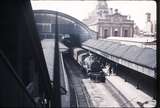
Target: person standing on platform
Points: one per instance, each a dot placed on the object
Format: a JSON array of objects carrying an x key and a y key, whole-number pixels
[{"x": 109, "y": 69}]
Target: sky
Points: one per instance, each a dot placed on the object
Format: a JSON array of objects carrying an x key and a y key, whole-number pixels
[{"x": 81, "y": 9}]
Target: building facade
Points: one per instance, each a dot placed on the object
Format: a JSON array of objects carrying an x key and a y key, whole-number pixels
[{"x": 108, "y": 23}]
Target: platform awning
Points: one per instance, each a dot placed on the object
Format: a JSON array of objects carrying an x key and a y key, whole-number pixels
[{"x": 140, "y": 59}]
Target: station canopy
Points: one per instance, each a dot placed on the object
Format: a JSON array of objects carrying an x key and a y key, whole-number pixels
[
  {"x": 68, "y": 26},
  {"x": 145, "y": 57}
]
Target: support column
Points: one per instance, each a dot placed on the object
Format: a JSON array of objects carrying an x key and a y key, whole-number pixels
[
  {"x": 121, "y": 34},
  {"x": 100, "y": 32},
  {"x": 56, "y": 76},
  {"x": 131, "y": 31},
  {"x": 101, "y": 29},
  {"x": 111, "y": 31}
]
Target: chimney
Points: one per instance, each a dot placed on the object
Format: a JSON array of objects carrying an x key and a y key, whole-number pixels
[
  {"x": 116, "y": 10},
  {"x": 111, "y": 10},
  {"x": 129, "y": 17},
  {"x": 148, "y": 17}
]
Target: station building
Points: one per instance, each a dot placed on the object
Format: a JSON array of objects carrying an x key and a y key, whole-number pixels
[{"x": 108, "y": 23}]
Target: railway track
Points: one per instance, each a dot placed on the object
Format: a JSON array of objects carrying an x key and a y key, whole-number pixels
[{"x": 79, "y": 96}]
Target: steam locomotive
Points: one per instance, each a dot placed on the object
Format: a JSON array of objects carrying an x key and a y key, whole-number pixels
[{"x": 90, "y": 64}]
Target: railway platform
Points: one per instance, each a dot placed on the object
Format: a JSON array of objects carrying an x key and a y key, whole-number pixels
[
  {"x": 136, "y": 96},
  {"x": 115, "y": 91}
]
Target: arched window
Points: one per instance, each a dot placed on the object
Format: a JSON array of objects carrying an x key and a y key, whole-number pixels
[
  {"x": 116, "y": 32},
  {"x": 105, "y": 33},
  {"x": 125, "y": 33}
]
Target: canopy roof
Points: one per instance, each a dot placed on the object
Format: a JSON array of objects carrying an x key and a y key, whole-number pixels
[{"x": 141, "y": 56}]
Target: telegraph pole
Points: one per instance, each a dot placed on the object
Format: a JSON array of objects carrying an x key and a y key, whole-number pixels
[{"x": 56, "y": 75}]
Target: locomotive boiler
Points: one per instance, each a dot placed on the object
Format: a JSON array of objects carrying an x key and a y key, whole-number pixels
[{"x": 90, "y": 64}]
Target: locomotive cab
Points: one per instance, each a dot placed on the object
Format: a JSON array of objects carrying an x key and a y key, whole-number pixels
[
  {"x": 96, "y": 73},
  {"x": 87, "y": 63},
  {"x": 93, "y": 69}
]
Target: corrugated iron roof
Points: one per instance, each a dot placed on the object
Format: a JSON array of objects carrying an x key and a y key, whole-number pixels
[{"x": 141, "y": 56}]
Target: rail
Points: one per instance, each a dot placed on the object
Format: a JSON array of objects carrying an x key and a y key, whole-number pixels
[{"x": 81, "y": 98}]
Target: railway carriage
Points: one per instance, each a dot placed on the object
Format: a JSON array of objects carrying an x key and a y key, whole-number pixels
[
  {"x": 77, "y": 52},
  {"x": 81, "y": 58}
]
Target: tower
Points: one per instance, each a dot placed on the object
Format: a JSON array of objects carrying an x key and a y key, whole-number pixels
[
  {"x": 148, "y": 24},
  {"x": 148, "y": 17},
  {"x": 102, "y": 9}
]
